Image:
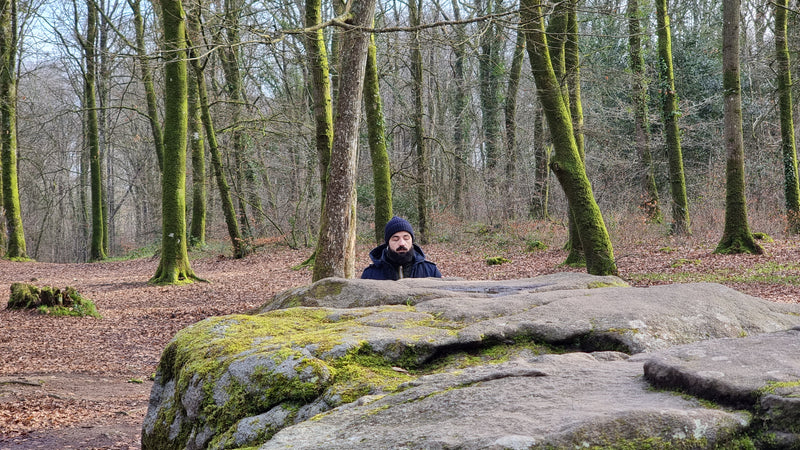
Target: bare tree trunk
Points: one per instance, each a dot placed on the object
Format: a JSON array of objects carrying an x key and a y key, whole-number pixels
[
  {"x": 669, "y": 101},
  {"x": 335, "y": 251},
  {"x": 509, "y": 197},
  {"x": 240, "y": 247},
  {"x": 736, "y": 237},
  {"x": 490, "y": 70},
  {"x": 566, "y": 163},
  {"x": 420, "y": 145},
  {"x": 147, "y": 82},
  {"x": 461, "y": 125}
]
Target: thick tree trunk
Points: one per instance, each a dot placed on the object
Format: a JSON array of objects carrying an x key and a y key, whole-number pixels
[
  {"x": 97, "y": 250},
  {"x": 381, "y": 171},
  {"x": 791, "y": 186},
  {"x": 16, "y": 248},
  {"x": 420, "y": 145},
  {"x": 736, "y": 238},
  {"x": 240, "y": 247},
  {"x": 669, "y": 102},
  {"x": 174, "y": 267},
  {"x": 649, "y": 203},
  {"x": 566, "y": 163},
  {"x": 335, "y": 251}
]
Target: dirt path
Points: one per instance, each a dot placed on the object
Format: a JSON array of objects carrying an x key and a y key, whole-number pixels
[{"x": 85, "y": 383}]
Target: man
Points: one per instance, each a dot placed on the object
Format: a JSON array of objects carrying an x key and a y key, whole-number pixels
[{"x": 399, "y": 257}]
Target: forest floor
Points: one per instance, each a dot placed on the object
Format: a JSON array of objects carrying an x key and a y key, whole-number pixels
[{"x": 84, "y": 382}]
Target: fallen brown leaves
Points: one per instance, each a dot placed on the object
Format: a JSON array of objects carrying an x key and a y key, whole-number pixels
[{"x": 87, "y": 363}]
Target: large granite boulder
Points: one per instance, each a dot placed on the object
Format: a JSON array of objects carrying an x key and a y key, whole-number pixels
[{"x": 464, "y": 364}]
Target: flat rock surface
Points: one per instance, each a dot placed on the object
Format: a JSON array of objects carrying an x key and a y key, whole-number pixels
[{"x": 559, "y": 400}]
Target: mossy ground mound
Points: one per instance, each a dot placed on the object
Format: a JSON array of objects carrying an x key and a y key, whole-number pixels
[{"x": 50, "y": 300}]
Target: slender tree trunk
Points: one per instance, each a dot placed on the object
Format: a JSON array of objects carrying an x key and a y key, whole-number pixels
[
  {"x": 514, "y": 74},
  {"x": 240, "y": 247},
  {"x": 381, "y": 171},
  {"x": 736, "y": 238},
  {"x": 669, "y": 101},
  {"x": 97, "y": 251},
  {"x": 649, "y": 204},
  {"x": 419, "y": 126},
  {"x": 461, "y": 125},
  {"x": 197, "y": 233},
  {"x": 174, "y": 267},
  {"x": 541, "y": 187},
  {"x": 791, "y": 187},
  {"x": 16, "y": 248},
  {"x": 335, "y": 252},
  {"x": 230, "y": 58},
  {"x": 566, "y": 163},
  {"x": 490, "y": 70},
  {"x": 147, "y": 82}
]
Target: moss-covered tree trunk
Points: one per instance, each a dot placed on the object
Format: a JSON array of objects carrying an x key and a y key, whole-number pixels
[
  {"x": 421, "y": 146},
  {"x": 791, "y": 186},
  {"x": 649, "y": 203},
  {"x": 335, "y": 252},
  {"x": 240, "y": 247},
  {"x": 147, "y": 82},
  {"x": 540, "y": 198},
  {"x": 381, "y": 171},
  {"x": 97, "y": 248},
  {"x": 174, "y": 267},
  {"x": 566, "y": 163},
  {"x": 736, "y": 237},
  {"x": 16, "y": 248},
  {"x": 669, "y": 104},
  {"x": 320, "y": 93},
  {"x": 197, "y": 232},
  {"x": 510, "y": 111}
]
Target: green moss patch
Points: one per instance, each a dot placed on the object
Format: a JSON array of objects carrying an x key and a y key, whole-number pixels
[{"x": 50, "y": 300}]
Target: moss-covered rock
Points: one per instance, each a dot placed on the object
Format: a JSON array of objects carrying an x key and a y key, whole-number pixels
[{"x": 245, "y": 380}]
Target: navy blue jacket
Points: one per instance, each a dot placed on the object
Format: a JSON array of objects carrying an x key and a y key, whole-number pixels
[{"x": 382, "y": 269}]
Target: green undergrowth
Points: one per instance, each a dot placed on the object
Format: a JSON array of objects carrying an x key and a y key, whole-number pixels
[{"x": 768, "y": 272}]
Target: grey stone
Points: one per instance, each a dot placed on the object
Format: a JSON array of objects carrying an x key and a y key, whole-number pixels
[
  {"x": 564, "y": 401},
  {"x": 760, "y": 372},
  {"x": 290, "y": 359}
]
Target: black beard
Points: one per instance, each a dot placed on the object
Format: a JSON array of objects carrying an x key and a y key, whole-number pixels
[{"x": 400, "y": 259}]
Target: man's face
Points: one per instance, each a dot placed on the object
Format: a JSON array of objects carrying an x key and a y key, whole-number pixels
[{"x": 400, "y": 242}]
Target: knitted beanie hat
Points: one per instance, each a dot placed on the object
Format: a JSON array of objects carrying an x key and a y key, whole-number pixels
[{"x": 395, "y": 225}]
